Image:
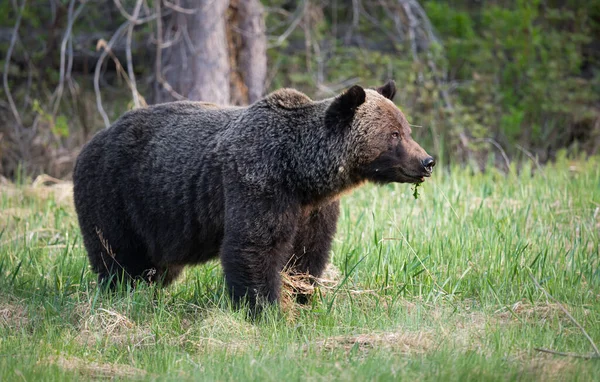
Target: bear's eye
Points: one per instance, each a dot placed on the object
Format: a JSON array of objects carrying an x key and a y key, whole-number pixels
[{"x": 395, "y": 135}]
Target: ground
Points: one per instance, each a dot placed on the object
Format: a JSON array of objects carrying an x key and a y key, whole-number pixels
[{"x": 438, "y": 288}]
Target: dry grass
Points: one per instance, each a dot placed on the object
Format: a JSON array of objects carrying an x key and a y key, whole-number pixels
[
  {"x": 13, "y": 316},
  {"x": 534, "y": 313},
  {"x": 404, "y": 342},
  {"x": 219, "y": 330},
  {"x": 44, "y": 188},
  {"x": 111, "y": 327},
  {"x": 545, "y": 367},
  {"x": 304, "y": 284},
  {"x": 88, "y": 369},
  {"x": 495, "y": 203}
]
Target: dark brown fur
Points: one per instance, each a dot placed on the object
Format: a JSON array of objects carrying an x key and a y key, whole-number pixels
[{"x": 181, "y": 183}]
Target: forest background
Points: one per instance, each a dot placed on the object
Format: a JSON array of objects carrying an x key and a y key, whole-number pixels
[{"x": 483, "y": 82}]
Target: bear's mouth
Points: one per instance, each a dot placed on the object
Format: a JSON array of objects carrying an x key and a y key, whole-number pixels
[{"x": 414, "y": 178}]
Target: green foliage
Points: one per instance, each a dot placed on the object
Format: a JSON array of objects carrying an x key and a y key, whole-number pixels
[
  {"x": 520, "y": 73},
  {"x": 58, "y": 125}
]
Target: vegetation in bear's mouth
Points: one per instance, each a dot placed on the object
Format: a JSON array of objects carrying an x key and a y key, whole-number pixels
[{"x": 415, "y": 190}]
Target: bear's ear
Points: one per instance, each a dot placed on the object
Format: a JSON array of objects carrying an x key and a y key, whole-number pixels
[
  {"x": 388, "y": 90},
  {"x": 344, "y": 106}
]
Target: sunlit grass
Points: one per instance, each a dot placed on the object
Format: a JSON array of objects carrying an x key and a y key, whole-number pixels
[{"x": 436, "y": 288}]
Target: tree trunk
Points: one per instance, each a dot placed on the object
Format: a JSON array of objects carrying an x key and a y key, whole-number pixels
[
  {"x": 196, "y": 65},
  {"x": 247, "y": 50},
  {"x": 206, "y": 60},
  {"x": 253, "y": 53}
]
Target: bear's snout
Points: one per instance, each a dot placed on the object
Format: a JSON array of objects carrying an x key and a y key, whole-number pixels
[{"x": 428, "y": 164}]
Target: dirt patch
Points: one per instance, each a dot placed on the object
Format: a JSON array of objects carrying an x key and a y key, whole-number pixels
[{"x": 94, "y": 369}]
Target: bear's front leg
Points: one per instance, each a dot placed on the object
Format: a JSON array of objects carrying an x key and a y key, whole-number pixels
[
  {"x": 257, "y": 243},
  {"x": 313, "y": 240},
  {"x": 312, "y": 244}
]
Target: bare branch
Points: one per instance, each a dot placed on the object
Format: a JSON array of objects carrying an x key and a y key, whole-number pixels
[
  {"x": 158, "y": 71},
  {"x": 497, "y": 145},
  {"x": 533, "y": 158},
  {"x": 412, "y": 25},
  {"x": 30, "y": 69},
  {"x": 377, "y": 24},
  {"x": 574, "y": 355},
  {"x": 107, "y": 48},
  {"x": 299, "y": 14},
  {"x": 355, "y": 19},
  {"x": 427, "y": 27},
  {"x": 167, "y": 44},
  {"x": 131, "y": 18},
  {"x": 178, "y": 8},
  {"x": 13, "y": 39},
  {"x": 67, "y": 36},
  {"x": 130, "y": 71}
]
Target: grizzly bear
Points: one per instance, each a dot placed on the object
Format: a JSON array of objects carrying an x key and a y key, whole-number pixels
[{"x": 181, "y": 183}]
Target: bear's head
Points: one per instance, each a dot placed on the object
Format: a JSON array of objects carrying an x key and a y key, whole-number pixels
[{"x": 383, "y": 150}]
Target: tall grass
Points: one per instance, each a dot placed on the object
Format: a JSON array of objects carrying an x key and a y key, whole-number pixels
[{"x": 442, "y": 287}]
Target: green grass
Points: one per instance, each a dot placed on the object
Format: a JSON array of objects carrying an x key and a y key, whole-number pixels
[{"x": 439, "y": 288}]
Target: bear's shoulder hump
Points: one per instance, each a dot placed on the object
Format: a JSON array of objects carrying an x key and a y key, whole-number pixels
[{"x": 287, "y": 98}]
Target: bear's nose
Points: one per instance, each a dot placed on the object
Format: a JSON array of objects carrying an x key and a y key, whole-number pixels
[{"x": 428, "y": 164}]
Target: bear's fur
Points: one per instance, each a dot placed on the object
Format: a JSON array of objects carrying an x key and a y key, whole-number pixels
[{"x": 180, "y": 183}]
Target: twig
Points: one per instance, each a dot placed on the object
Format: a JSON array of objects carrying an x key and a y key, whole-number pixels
[
  {"x": 13, "y": 39},
  {"x": 394, "y": 16},
  {"x": 427, "y": 27},
  {"x": 355, "y": 20},
  {"x": 412, "y": 25},
  {"x": 107, "y": 49},
  {"x": 574, "y": 355},
  {"x": 131, "y": 18},
  {"x": 566, "y": 312},
  {"x": 63, "y": 46},
  {"x": 377, "y": 24},
  {"x": 121, "y": 70},
  {"x": 69, "y": 62},
  {"x": 165, "y": 44},
  {"x": 298, "y": 17},
  {"x": 109, "y": 252},
  {"x": 136, "y": 13},
  {"x": 530, "y": 155},
  {"x": 30, "y": 69},
  {"x": 180, "y": 9},
  {"x": 158, "y": 72},
  {"x": 497, "y": 145}
]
